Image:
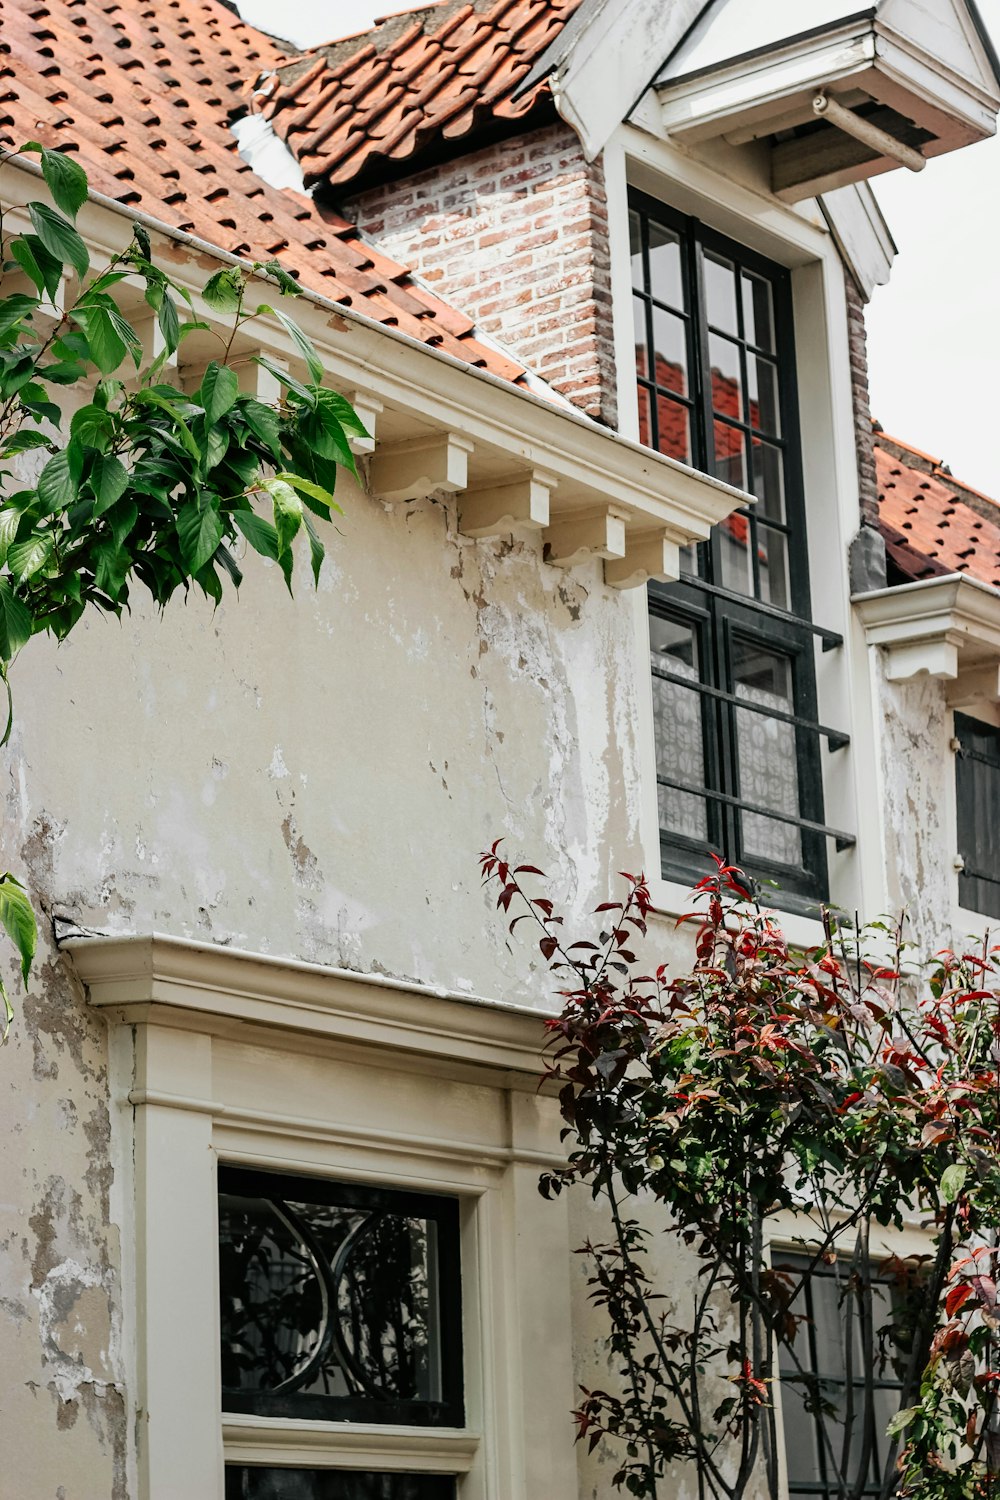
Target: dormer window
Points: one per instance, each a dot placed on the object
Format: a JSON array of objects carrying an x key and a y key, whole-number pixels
[{"x": 732, "y": 646}]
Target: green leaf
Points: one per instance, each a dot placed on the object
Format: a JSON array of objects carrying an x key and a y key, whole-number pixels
[
  {"x": 199, "y": 531},
  {"x": 224, "y": 290},
  {"x": 341, "y": 408},
  {"x": 168, "y": 404},
  {"x": 38, "y": 265},
  {"x": 19, "y": 920},
  {"x": 10, "y": 523},
  {"x": 108, "y": 480},
  {"x": 15, "y": 623},
  {"x": 264, "y": 423},
  {"x": 169, "y": 322},
  {"x": 317, "y": 551},
  {"x": 259, "y": 533},
  {"x": 225, "y": 559},
  {"x": 107, "y": 347},
  {"x": 901, "y": 1420},
  {"x": 322, "y": 502},
  {"x": 313, "y": 362},
  {"x": 26, "y": 558},
  {"x": 307, "y": 396},
  {"x": 953, "y": 1181},
  {"x": 142, "y": 240},
  {"x": 59, "y": 482},
  {"x": 20, "y": 442},
  {"x": 218, "y": 392},
  {"x": 287, "y": 511},
  {"x": 14, "y": 309},
  {"x": 287, "y": 283},
  {"x": 59, "y": 237},
  {"x": 65, "y": 178},
  {"x": 92, "y": 425}
]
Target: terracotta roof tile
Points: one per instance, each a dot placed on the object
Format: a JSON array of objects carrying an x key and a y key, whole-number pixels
[
  {"x": 371, "y": 106},
  {"x": 143, "y": 92},
  {"x": 931, "y": 522}
]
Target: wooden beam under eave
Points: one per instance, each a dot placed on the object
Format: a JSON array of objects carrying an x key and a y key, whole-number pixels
[
  {"x": 650, "y": 556},
  {"x": 577, "y": 539},
  {"x": 420, "y": 467},
  {"x": 521, "y": 504}
]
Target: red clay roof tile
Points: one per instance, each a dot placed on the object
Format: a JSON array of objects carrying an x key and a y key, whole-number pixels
[
  {"x": 142, "y": 93},
  {"x": 384, "y": 98},
  {"x": 931, "y": 522}
]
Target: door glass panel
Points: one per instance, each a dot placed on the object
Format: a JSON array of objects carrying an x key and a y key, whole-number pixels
[
  {"x": 772, "y": 565},
  {"x": 246, "y": 1482},
  {"x": 635, "y": 246},
  {"x": 768, "y": 483},
  {"x": 768, "y": 770},
  {"x": 670, "y": 352},
  {"x": 639, "y": 325},
  {"x": 678, "y": 726},
  {"x": 762, "y": 379},
  {"x": 730, "y": 455},
  {"x": 720, "y": 293},
  {"x": 674, "y": 429},
  {"x": 758, "y": 312},
  {"x": 666, "y": 282},
  {"x": 727, "y": 381},
  {"x": 734, "y": 536}
]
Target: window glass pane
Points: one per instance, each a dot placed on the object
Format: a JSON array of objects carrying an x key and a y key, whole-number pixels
[
  {"x": 666, "y": 282},
  {"x": 768, "y": 480},
  {"x": 801, "y": 1453},
  {"x": 734, "y": 540},
  {"x": 727, "y": 382},
  {"x": 330, "y": 1308},
  {"x": 646, "y": 433},
  {"x": 670, "y": 352},
  {"x": 977, "y": 789},
  {"x": 772, "y": 566},
  {"x": 635, "y": 245},
  {"x": 758, "y": 312},
  {"x": 674, "y": 429},
  {"x": 730, "y": 455},
  {"x": 678, "y": 726},
  {"x": 639, "y": 326},
  {"x": 253, "y": 1483},
  {"x": 762, "y": 380},
  {"x": 720, "y": 292},
  {"x": 768, "y": 768}
]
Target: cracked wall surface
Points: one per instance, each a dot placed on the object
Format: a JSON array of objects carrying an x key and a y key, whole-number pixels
[{"x": 313, "y": 778}]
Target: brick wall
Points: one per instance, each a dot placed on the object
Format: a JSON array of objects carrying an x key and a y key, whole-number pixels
[
  {"x": 863, "y": 437},
  {"x": 516, "y": 236}
]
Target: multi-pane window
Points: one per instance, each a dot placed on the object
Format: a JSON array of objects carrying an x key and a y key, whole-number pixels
[
  {"x": 823, "y": 1401},
  {"x": 734, "y": 693},
  {"x": 977, "y": 799},
  {"x": 342, "y": 1303}
]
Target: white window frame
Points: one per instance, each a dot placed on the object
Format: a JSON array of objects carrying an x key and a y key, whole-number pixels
[
  {"x": 219, "y": 1055},
  {"x": 799, "y": 238}
]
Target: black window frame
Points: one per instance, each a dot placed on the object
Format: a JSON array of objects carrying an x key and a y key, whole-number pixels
[
  {"x": 978, "y": 750},
  {"x": 699, "y": 600},
  {"x": 819, "y": 1374},
  {"x": 444, "y": 1212}
]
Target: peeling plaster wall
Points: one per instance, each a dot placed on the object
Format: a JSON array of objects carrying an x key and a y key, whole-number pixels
[{"x": 312, "y": 778}]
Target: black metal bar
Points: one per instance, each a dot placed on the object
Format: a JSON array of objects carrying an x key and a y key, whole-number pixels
[
  {"x": 837, "y": 738},
  {"x": 830, "y": 638},
  {"x": 978, "y": 755},
  {"x": 971, "y": 873},
  {"x": 844, "y": 840}
]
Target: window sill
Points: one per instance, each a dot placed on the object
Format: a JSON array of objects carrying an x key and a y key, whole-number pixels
[
  {"x": 671, "y": 900},
  {"x": 279, "y": 1443}
]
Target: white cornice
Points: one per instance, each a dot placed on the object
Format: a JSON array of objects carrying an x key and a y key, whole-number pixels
[
  {"x": 204, "y": 987},
  {"x": 940, "y": 627}
]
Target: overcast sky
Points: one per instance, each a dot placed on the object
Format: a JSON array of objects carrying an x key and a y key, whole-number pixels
[{"x": 934, "y": 331}]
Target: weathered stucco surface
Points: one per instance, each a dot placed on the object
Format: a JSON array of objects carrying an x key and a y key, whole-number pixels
[{"x": 309, "y": 777}]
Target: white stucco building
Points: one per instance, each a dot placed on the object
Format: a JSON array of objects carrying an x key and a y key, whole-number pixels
[{"x": 614, "y": 586}]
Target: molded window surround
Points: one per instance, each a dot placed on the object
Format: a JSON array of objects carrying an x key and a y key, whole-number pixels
[{"x": 222, "y": 1057}]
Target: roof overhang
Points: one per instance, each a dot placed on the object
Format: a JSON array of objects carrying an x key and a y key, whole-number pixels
[
  {"x": 842, "y": 101},
  {"x": 509, "y": 460},
  {"x": 945, "y": 628}
]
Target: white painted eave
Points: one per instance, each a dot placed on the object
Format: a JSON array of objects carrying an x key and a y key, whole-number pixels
[
  {"x": 861, "y": 233},
  {"x": 447, "y": 427},
  {"x": 163, "y": 980},
  {"x": 946, "y": 628}
]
